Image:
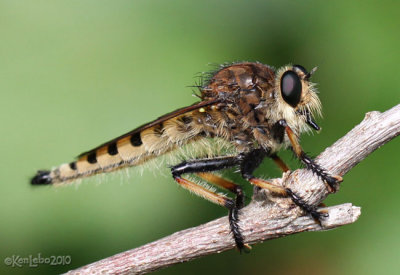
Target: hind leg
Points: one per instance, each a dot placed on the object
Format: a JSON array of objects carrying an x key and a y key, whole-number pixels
[{"x": 202, "y": 168}]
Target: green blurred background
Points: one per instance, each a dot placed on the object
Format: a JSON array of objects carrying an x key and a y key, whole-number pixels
[{"x": 74, "y": 74}]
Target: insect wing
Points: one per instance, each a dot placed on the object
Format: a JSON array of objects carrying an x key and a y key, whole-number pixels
[{"x": 159, "y": 120}]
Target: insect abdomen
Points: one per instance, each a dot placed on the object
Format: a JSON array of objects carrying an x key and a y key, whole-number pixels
[{"x": 130, "y": 150}]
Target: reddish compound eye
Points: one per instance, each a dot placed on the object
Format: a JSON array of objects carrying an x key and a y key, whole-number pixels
[{"x": 291, "y": 88}]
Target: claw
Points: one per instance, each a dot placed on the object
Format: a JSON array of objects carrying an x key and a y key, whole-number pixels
[
  {"x": 317, "y": 215},
  {"x": 246, "y": 248},
  {"x": 338, "y": 178},
  {"x": 331, "y": 188},
  {"x": 332, "y": 182},
  {"x": 323, "y": 213}
]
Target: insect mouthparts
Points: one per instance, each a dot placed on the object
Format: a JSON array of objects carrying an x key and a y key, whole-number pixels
[{"x": 311, "y": 122}]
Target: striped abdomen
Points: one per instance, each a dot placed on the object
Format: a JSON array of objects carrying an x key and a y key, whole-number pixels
[{"x": 134, "y": 148}]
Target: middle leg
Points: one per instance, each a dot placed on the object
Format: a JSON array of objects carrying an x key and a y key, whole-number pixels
[
  {"x": 278, "y": 161},
  {"x": 252, "y": 161}
]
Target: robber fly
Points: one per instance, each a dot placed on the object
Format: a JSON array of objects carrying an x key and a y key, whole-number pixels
[{"x": 251, "y": 106}]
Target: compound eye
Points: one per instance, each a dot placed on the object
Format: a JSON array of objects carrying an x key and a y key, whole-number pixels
[{"x": 291, "y": 88}]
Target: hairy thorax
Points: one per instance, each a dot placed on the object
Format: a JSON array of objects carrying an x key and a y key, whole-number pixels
[{"x": 249, "y": 108}]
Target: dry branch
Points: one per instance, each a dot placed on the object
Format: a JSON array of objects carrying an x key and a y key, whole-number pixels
[{"x": 267, "y": 216}]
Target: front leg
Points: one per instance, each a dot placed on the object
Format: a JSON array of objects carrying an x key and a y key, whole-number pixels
[{"x": 332, "y": 181}]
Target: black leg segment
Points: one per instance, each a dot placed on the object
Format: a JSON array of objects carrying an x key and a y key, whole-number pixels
[
  {"x": 202, "y": 167},
  {"x": 234, "y": 226},
  {"x": 318, "y": 170},
  {"x": 311, "y": 209},
  {"x": 250, "y": 161}
]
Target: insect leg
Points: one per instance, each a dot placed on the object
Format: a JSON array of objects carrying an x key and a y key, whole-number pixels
[
  {"x": 233, "y": 212},
  {"x": 251, "y": 161},
  {"x": 226, "y": 184},
  {"x": 205, "y": 193},
  {"x": 311, "y": 209},
  {"x": 309, "y": 162},
  {"x": 201, "y": 167},
  {"x": 278, "y": 161},
  {"x": 204, "y": 165}
]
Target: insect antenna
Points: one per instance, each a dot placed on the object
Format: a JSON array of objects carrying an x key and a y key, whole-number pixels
[{"x": 313, "y": 70}]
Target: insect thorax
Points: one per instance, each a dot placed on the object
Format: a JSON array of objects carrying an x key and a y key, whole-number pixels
[{"x": 249, "y": 108}]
